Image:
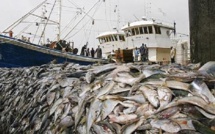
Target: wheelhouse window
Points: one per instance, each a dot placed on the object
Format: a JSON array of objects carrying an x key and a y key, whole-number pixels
[
  {"x": 150, "y": 29},
  {"x": 112, "y": 39},
  {"x": 129, "y": 33},
  {"x": 157, "y": 30},
  {"x": 109, "y": 38},
  {"x": 141, "y": 30},
  {"x": 121, "y": 38},
  {"x": 106, "y": 39},
  {"x": 137, "y": 31},
  {"x": 115, "y": 37},
  {"x": 101, "y": 40},
  {"x": 145, "y": 30},
  {"x": 133, "y": 32}
]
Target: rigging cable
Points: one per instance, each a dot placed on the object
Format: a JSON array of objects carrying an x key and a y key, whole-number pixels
[
  {"x": 36, "y": 33},
  {"x": 80, "y": 9},
  {"x": 106, "y": 16},
  {"x": 47, "y": 22},
  {"x": 11, "y": 27},
  {"x": 28, "y": 26},
  {"x": 69, "y": 24},
  {"x": 84, "y": 24},
  {"x": 81, "y": 19}
]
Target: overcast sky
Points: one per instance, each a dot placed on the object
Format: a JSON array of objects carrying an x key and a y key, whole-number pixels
[{"x": 128, "y": 10}]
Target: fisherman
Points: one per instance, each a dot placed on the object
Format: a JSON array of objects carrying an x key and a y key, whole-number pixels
[
  {"x": 83, "y": 49},
  {"x": 87, "y": 52},
  {"x": 28, "y": 39},
  {"x": 92, "y": 52},
  {"x": 146, "y": 52},
  {"x": 11, "y": 33},
  {"x": 118, "y": 55},
  {"x": 142, "y": 52},
  {"x": 136, "y": 54},
  {"x": 110, "y": 56},
  {"x": 99, "y": 52},
  {"x": 75, "y": 50},
  {"x": 172, "y": 55}
]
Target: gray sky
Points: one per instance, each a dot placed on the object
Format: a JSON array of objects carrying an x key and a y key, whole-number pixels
[{"x": 105, "y": 17}]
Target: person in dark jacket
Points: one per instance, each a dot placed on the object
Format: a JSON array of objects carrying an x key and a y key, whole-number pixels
[
  {"x": 87, "y": 52},
  {"x": 83, "y": 49},
  {"x": 142, "y": 52},
  {"x": 92, "y": 52}
]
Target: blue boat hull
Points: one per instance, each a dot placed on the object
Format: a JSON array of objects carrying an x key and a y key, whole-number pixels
[{"x": 16, "y": 53}]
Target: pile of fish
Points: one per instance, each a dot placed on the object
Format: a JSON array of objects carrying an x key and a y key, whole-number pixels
[{"x": 108, "y": 99}]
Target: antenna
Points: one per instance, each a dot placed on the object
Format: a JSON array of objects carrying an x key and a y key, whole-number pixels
[
  {"x": 116, "y": 10},
  {"x": 59, "y": 23},
  {"x": 147, "y": 8}
]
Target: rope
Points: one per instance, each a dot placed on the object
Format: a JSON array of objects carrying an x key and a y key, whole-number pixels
[
  {"x": 47, "y": 21},
  {"x": 81, "y": 19},
  {"x": 36, "y": 33},
  {"x": 11, "y": 27},
  {"x": 83, "y": 25}
]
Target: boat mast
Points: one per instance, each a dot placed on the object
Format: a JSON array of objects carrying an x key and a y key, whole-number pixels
[
  {"x": 11, "y": 27},
  {"x": 59, "y": 23}
]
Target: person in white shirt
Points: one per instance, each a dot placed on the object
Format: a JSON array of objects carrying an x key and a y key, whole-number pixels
[{"x": 172, "y": 55}]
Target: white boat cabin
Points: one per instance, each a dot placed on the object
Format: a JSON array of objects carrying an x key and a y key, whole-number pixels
[
  {"x": 111, "y": 41},
  {"x": 155, "y": 35}
]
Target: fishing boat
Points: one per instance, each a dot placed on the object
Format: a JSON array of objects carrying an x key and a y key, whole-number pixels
[
  {"x": 156, "y": 35},
  {"x": 17, "y": 53},
  {"x": 111, "y": 41},
  {"x": 21, "y": 52}
]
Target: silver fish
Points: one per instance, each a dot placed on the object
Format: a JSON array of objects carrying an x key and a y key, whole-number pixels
[
  {"x": 145, "y": 110},
  {"x": 171, "y": 84},
  {"x": 164, "y": 95},
  {"x": 94, "y": 112},
  {"x": 199, "y": 87},
  {"x": 185, "y": 124},
  {"x": 100, "y": 130},
  {"x": 208, "y": 69},
  {"x": 107, "y": 107},
  {"x": 208, "y": 115},
  {"x": 122, "y": 119},
  {"x": 118, "y": 69},
  {"x": 90, "y": 77},
  {"x": 66, "y": 111},
  {"x": 130, "y": 81},
  {"x": 106, "y": 89},
  {"x": 55, "y": 105},
  {"x": 151, "y": 95},
  {"x": 50, "y": 97},
  {"x": 131, "y": 128},
  {"x": 66, "y": 122},
  {"x": 166, "y": 125}
]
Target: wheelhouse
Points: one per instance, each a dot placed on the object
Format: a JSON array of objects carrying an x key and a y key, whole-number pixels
[
  {"x": 155, "y": 35},
  {"x": 111, "y": 41}
]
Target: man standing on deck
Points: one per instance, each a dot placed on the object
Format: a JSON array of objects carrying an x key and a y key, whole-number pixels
[
  {"x": 136, "y": 54},
  {"x": 99, "y": 52},
  {"x": 142, "y": 52},
  {"x": 146, "y": 52},
  {"x": 92, "y": 52},
  {"x": 172, "y": 55},
  {"x": 83, "y": 49}
]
